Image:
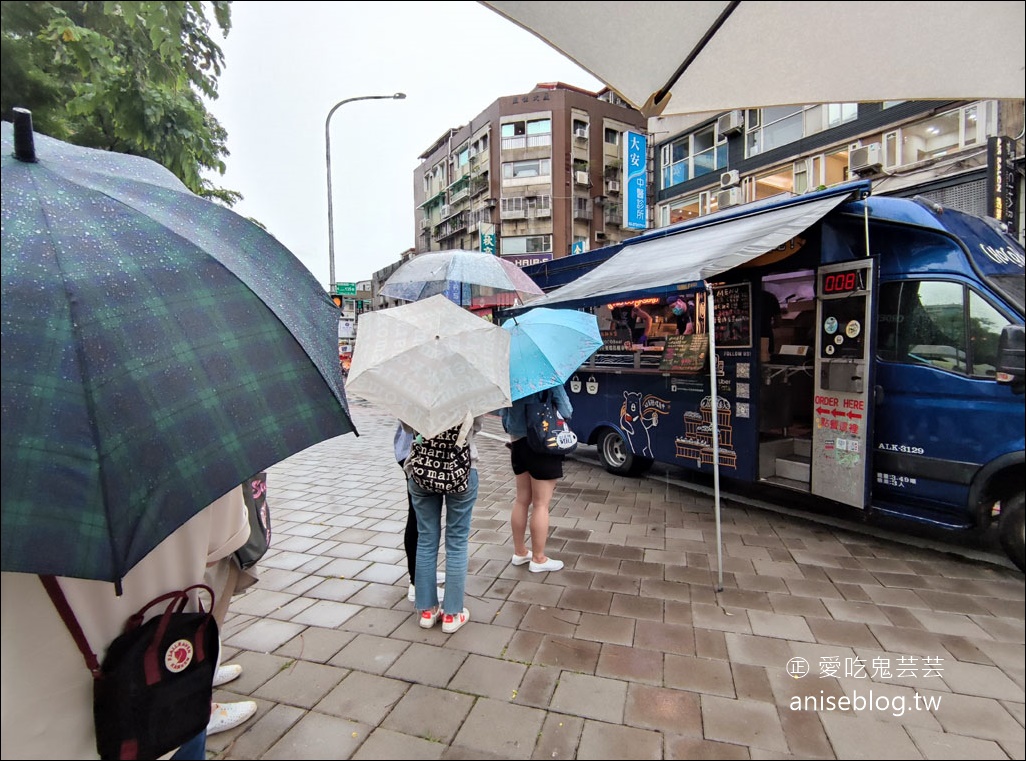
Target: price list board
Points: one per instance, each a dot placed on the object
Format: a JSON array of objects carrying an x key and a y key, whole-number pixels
[
  {"x": 733, "y": 317},
  {"x": 685, "y": 355}
]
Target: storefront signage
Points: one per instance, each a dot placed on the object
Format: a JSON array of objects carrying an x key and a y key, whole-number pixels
[
  {"x": 1001, "y": 198},
  {"x": 525, "y": 260},
  {"x": 635, "y": 167}
]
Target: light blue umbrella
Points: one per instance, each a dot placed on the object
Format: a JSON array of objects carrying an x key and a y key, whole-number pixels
[{"x": 547, "y": 346}]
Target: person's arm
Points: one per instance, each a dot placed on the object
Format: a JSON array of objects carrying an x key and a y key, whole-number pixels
[
  {"x": 646, "y": 318},
  {"x": 562, "y": 402}
]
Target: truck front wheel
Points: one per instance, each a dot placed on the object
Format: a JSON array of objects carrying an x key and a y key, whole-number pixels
[
  {"x": 617, "y": 456},
  {"x": 1012, "y": 529}
]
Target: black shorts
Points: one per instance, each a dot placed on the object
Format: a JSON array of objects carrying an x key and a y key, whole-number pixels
[{"x": 543, "y": 467}]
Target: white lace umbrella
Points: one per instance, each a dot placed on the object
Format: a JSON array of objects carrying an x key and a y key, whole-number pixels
[{"x": 430, "y": 363}]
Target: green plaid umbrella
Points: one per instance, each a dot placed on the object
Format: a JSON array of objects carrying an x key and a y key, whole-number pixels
[{"x": 158, "y": 349}]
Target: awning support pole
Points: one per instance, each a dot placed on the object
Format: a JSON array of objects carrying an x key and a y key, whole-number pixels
[{"x": 710, "y": 324}]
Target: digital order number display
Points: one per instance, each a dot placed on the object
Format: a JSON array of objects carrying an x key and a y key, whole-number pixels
[{"x": 844, "y": 281}]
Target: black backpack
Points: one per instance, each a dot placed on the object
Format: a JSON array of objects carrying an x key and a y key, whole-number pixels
[
  {"x": 440, "y": 464},
  {"x": 153, "y": 690}
]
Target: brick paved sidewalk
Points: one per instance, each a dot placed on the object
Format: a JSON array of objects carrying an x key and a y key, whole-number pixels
[{"x": 629, "y": 652}]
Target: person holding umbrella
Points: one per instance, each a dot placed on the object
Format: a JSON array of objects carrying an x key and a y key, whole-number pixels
[
  {"x": 52, "y": 716},
  {"x": 546, "y": 347},
  {"x": 438, "y": 369},
  {"x": 459, "y": 506},
  {"x": 148, "y": 285},
  {"x": 536, "y": 476}
]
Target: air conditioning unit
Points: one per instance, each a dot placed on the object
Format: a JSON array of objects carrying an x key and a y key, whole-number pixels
[
  {"x": 728, "y": 197},
  {"x": 600, "y": 236},
  {"x": 490, "y": 202},
  {"x": 425, "y": 223},
  {"x": 446, "y": 211},
  {"x": 730, "y": 179},
  {"x": 612, "y": 186},
  {"x": 581, "y": 178},
  {"x": 730, "y": 122},
  {"x": 581, "y": 132},
  {"x": 866, "y": 158}
]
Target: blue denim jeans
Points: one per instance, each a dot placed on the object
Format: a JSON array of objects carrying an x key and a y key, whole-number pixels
[
  {"x": 428, "y": 507},
  {"x": 192, "y": 750}
]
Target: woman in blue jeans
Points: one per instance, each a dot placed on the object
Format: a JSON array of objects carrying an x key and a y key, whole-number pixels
[{"x": 458, "y": 508}]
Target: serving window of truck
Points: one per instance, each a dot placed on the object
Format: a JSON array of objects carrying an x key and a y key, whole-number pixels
[{"x": 744, "y": 344}]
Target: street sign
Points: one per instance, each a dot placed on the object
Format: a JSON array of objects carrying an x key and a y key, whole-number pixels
[{"x": 345, "y": 289}]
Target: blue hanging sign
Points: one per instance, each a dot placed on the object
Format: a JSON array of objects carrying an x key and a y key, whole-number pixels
[{"x": 635, "y": 164}]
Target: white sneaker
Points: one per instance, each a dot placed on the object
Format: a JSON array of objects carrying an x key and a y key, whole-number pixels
[
  {"x": 548, "y": 565},
  {"x": 227, "y": 673},
  {"x": 225, "y": 716},
  {"x": 411, "y": 595},
  {"x": 451, "y": 623},
  {"x": 520, "y": 559}
]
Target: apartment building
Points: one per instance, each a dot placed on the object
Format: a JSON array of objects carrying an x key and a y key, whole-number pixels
[
  {"x": 965, "y": 155},
  {"x": 534, "y": 176}
]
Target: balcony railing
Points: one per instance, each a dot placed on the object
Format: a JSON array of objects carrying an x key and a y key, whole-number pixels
[{"x": 526, "y": 141}]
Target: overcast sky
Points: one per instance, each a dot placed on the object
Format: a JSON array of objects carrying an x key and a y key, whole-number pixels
[{"x": 287, "y": 64}]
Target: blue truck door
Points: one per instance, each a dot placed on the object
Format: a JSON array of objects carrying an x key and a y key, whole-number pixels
[{"x": 843, "y": 382}]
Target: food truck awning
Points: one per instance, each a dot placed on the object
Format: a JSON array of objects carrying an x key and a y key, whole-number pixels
[{"x": 702, "y": 249}]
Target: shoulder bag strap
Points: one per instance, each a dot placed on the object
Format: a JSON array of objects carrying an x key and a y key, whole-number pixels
[{"x": 68, "y": 616}]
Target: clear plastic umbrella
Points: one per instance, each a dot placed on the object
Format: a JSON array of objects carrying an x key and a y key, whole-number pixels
[{"x": 461, "y": 276}]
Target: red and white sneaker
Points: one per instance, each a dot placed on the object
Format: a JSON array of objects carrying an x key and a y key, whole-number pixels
[
  {"x": 451, "y": 623},
  {"x": 428, "y": 618}
]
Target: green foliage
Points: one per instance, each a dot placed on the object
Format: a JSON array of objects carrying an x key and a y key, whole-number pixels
[{"x": 121, "y": 76}]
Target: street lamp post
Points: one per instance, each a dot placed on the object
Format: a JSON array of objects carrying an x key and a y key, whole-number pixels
[{"x": 327, "y": 161}]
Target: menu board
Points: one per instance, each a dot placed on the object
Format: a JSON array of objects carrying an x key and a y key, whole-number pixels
[
  {"x": 733, "y": 316},
  {"x": 685, "y": 354},
  {"x": 615, "y": 340}
]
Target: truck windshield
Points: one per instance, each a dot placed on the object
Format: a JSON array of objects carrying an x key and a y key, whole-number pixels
[{"x": 997, "y": 256}]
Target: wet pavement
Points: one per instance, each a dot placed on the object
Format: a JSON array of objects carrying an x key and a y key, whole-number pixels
[{"x": 825, "y": 642}]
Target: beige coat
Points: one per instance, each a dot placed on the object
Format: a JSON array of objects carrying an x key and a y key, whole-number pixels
[{"x": 46, "y": 687}]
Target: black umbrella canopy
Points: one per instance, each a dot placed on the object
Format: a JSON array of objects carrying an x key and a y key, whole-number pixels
[{"x": 158, "y": 349}]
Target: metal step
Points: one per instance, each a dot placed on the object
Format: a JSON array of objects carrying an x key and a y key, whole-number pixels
[{"x": 795, "y": 467}]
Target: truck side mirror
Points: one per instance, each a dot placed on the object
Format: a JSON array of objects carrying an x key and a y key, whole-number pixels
[{"x": 1011, "y": 360}]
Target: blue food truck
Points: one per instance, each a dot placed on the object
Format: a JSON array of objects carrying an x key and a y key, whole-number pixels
[{"x": 864, "y": 350}]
